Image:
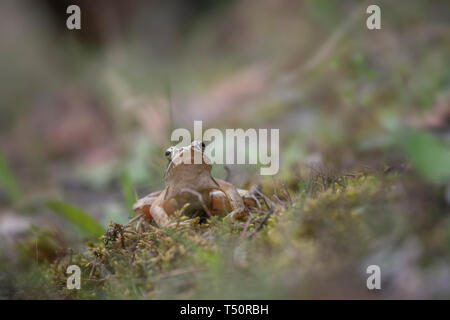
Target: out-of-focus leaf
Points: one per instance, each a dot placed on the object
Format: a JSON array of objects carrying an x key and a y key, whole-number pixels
[
  {"x": 129, "y": 192},
  {"x": 429, "y": 155},
  {"x": 77, "y": 216},
  {"x": 8, "y": 180}
]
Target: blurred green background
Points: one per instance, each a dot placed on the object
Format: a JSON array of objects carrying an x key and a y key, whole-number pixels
[{"x": 85, "y": 115}]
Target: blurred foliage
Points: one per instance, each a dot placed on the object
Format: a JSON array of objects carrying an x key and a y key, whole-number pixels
[
  {"x": 428, "y": 154},
  {"x": 364, "y": 157},
  {"x": 8, "y": 180},
  {"x": 129, "y": 192},
  {"x": 327, "y": 236}
]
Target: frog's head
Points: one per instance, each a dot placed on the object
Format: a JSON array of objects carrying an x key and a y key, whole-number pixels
[{"x": 187, "y": 163}]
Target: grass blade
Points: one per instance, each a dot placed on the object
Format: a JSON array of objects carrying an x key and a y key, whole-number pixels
[
  {"x": 429, "y": 155},
  {"x": 78, "y": 217}
]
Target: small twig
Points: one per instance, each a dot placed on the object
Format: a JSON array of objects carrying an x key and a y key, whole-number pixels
[
  {"x": 133, "y": 220},
  {"x": 261, "y": 225},
  {"x": 279, "y": 201},
  {"x": 138, "y": 225},
  {"x": 97, "y": 280},
  {"x": 265, "y": 199},
  {"x": 244, "y": 231},
  {"x": 177, "y": 273},
  {"x": 288, "y": 194},
  {"x": 275, "y": 190},
  {"x": 94, "y": 265}
]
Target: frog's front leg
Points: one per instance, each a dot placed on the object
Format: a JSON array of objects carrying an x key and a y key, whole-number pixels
[
  {"x": 158, "y": 213},
  {"x": 161, "y": 209},
  {"x": 154, "y": 206},
  {"x": 142, "y": 206}
]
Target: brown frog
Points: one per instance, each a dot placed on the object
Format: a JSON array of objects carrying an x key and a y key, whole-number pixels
[{"x": 188, "y": 179}]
